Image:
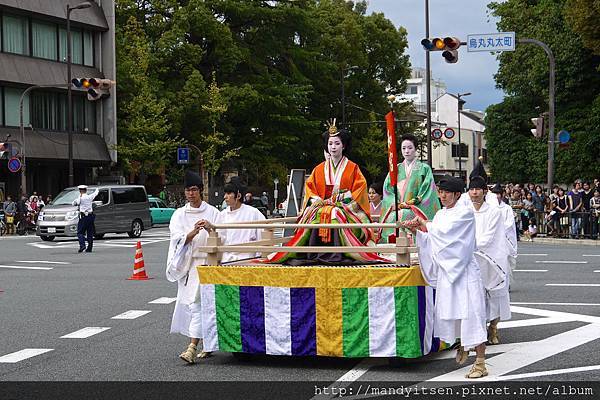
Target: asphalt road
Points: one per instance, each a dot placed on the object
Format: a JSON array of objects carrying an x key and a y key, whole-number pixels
[{"x": 553, "y": 335}]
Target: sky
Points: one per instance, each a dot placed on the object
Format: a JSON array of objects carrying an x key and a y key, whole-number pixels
[{"x": 474, "y": 72}]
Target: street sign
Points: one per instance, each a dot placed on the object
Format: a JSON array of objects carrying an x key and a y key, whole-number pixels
[
  {"x": 436, "y": 134},
  {"x": 501, "y": 41},
  {"x": 183, "y": 155},
  {"x": 449, "y": 133},
  {"x": 564, "y": 136},
  {"x": 14, "y": 164}
]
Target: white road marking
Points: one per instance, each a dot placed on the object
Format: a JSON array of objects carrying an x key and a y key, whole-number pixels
[
  {"x": 598, "y": 270},
  {"x": 561, "y": 262},
  {"x": 574, "y": 284},
  {"x": 22, "y": 267},
  {"x": 555, "y": 304},
  {"x": 531, "y": 322},
  {"x": 547, "y": 313},
  {"x": 495, "y": 349},
  {"x": 84, "y": 332},
  {"x": 530, "y": 270},
  {"x": 590, "y": 255},
  {"x": 547, "y": 373},
  {"x": 22, "y": 355},
  {"x": 46, "y": 262},
  {"x": 163, "y": 300},
  {"x": 533, "y": 254},
  {"x": 523, "y": 356},
  {"x": 131, "y": 314}
]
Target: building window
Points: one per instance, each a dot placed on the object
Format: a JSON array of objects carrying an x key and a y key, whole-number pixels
[
  {"x": 15, "y": 34},
  {"x": 1, "y": 106},
  {"x": 411, "y": 89},
  {"x": 43, "y": 39},
  {"x": 49, "y": 112},
  {"x": 484, "y": 153},
  {"x": 88, "y": 48},
  {"x": 464, "y": 153},
  {"x": 11, "y": 107}
]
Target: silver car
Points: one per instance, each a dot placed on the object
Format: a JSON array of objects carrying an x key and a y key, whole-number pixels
[{"x": 118, "y": 209}]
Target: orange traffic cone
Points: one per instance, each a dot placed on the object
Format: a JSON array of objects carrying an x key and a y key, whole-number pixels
[{"x": 139, "y": 272}]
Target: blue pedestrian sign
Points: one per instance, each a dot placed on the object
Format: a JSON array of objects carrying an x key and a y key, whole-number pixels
[
  {"x": 501, "y": 41},
  {"x": 14, "y": 164},
  {"x": 183, "y": 155}
]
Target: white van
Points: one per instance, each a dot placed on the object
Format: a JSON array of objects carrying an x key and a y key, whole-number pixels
[{"x": 118, "y": 209}]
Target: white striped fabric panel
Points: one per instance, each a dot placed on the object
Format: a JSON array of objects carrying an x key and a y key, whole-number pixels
[
  {"x": 382, "y": 322},
  {"x": 209, "y": 318},
  {"x": 278, "y": 331},
  {"x": 429, "y": 312}
]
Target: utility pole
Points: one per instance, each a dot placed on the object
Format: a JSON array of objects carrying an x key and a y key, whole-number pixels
[
  {"x": 459, "y": 108},
  {"x": 428, "y": 78},
  {"x": 551, "y": 90}
]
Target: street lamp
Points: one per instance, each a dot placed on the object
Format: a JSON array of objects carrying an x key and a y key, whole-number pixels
[
  {"x": 460, "y": 104},
  {"x": 275, "y": 192},
  {"x": 80, "y": 6}
]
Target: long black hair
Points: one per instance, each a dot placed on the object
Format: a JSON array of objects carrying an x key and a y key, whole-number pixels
[{"x": 344, "y": 136}]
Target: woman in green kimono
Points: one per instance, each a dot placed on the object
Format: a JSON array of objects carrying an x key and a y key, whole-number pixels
[{"x": 416, "y": 187}]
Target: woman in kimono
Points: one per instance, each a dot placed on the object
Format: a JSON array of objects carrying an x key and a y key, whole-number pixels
[
  {"x": 416, "y": 187},
  {"x": 335, "y": 193}
]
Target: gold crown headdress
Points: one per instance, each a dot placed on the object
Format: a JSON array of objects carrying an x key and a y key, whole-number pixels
[{"x": 331, "y": 128}]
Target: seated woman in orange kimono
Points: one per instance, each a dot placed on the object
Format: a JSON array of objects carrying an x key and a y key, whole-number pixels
[{"x": 335, "y": 193}]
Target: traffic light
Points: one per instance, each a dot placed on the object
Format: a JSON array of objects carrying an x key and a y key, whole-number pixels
[
  {"x": 538, "y": 131},
  {"x": 97, "y": 88},
  {"x": 448, "y": 45}
]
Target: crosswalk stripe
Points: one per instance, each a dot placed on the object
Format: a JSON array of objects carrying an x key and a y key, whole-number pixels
[
  {"x": 163, "y": 300},
  {"x": 131, "y": 314},
  {"x": 22, "y": 267}
]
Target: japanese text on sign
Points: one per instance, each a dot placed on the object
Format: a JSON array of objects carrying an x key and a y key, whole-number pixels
[{"x": 502, "y": 41}]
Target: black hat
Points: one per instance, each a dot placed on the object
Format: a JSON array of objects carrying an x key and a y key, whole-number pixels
[
  {"x": 477, "y": 182},
  {"x": 192, "y": 179},
  {"x": 479, "y": 171},
  {"x": 451, "y": 184},
  {"x": 235, "y": 185},
  {"x": 497, "y": 188}
]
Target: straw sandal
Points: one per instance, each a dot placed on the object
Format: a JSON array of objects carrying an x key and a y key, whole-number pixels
[
  {"x": 202, "y": 353},
  {"x": 478, "y": 370},
  {"x": 189, "y": 355},
  {"x": 461, "y": 355},
  {"x": 493, "y": 334}
]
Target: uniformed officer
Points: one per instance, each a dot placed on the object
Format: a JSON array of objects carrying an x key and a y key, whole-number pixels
[{"x": 86, "y": 218}]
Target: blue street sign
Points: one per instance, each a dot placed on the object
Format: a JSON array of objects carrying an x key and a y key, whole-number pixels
[
  {"x": 183, "y": 155},
  {"x": 14, "y": 164},
  {"x": 501, "y": 41},
  {"x": 564, "y": 136},
  {"x": 436, "y": 134},
  {"x": 449, "y": 133}
]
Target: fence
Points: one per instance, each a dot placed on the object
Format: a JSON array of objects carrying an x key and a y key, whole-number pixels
[{"x": 562, "y": 225}]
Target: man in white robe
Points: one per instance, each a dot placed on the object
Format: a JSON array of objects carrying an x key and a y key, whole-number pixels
[
  {"x": 237, "y": 212},
  {"x": 492, "y": 255},
  {"x": 186, "y": 235},
  {"x": 446, "y": 253},
  {"x": 509, "y": 226}
]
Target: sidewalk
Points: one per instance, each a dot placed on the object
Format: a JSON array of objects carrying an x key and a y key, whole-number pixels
[{"x": 580, "y": 242}]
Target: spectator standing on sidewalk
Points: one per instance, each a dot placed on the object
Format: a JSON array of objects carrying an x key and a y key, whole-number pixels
[
  {"x": 528, "y": 210},
  {"x": 561, "y": 206},
  {"x": 595, "y": 210},
  {"x": 575, "y": 203},
  {"x": 516, "y": 204},
  {"x": 10, "y": 210},
  {"x": 586, "y": 196}
]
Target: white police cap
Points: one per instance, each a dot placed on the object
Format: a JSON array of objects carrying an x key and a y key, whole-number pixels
[{"x": 82, "y": 187}]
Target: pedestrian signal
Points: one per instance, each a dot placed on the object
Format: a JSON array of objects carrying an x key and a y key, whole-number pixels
[
  {"x": 448, "y": 45},
  {"x": 97, "y": 88},
  {"x": 538, "y": 131}
]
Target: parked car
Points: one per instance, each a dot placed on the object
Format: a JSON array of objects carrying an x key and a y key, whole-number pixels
[
  {"x": 258, "y": 204},
  {"x": 118, "y": 209},
  {"x": 160, "y": 213}
]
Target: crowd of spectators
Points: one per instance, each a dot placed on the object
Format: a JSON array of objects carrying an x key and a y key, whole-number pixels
[
  {"x": 566, "y": 212},
  {"x": 14, "y": 210}
]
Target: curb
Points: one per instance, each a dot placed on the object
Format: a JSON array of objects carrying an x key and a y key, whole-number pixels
[{"x": 580, "y": 242}]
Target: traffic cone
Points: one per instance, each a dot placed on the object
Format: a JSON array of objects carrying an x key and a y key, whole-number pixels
[{"x": 139, "y": 272}]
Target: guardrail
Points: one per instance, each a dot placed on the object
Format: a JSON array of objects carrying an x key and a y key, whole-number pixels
[
  {"x": 561, "y": 225},
  {"x": 270, "y": 244}
]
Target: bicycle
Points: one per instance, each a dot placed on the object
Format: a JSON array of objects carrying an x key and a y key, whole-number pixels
[
  {"x": 26, "y": 224},
  {"x": 3, "y": 227}
]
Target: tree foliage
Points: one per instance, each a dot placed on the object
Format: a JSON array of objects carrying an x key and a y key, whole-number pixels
[
  {"x": 523, "y": 74},
  {"x": 279, "y": 66}
]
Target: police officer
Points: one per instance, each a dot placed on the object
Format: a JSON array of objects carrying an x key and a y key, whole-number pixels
[{"x": 86, "y": 218}]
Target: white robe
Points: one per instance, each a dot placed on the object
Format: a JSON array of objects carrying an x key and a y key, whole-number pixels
[
  {"x": 492, "y": 256},
  {"x": 449, "y": 265},
  {"x": 510, "y": 230},
  {"x": 236, "y": 236},
  {"x": 181, "y": 261}
]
